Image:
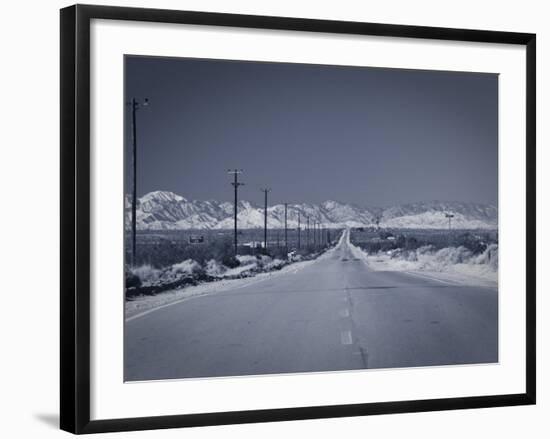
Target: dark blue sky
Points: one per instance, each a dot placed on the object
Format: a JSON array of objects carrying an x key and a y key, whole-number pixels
[{"x": 363, "y": 135}]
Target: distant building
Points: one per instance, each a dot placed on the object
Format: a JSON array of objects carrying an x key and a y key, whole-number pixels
[{"x": 196, "y": 239}]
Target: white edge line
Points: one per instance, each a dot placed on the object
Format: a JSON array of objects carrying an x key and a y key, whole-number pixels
[{"x": 205, "y": 293}]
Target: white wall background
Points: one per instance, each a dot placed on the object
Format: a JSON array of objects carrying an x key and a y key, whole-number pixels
[{"x": 29, "y": 206}]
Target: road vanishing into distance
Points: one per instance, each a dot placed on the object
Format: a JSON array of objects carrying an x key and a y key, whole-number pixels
[{"x": 333, "y": 314}]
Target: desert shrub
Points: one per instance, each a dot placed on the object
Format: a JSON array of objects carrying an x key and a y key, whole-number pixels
[
  {"x": 472, "y": 242},
  {"x": 165, "y": 252},
  {"x": 411, "y": 239},
  {"x": 230, "y": 261},
  {"x": 452, "y": 255},
  {"x": 146, "y": 273},
  {"x": 274, "y": 264},
  {"x": 166, "y": 260},
  {"x": 132, "y": 280},
  {"x": 189, "y": 267},
  {"x": 277, "y": 252},
  {"x": 214, "y": 268},
  {"x": 488, "y": 257},
  {"x": 373, "y": 247},
  {"x": 377, "y": 246}
]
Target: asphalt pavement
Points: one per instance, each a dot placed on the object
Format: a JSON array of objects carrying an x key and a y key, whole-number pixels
[{"x": 334, "y": 314}]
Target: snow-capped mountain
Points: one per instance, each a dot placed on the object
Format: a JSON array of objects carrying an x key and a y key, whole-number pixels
[
  {"x": 431, "y": 215},
  {"x": 162, "y": 210}
]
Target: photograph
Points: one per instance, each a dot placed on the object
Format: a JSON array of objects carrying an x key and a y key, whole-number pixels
[{"x": 285, "y": 218}]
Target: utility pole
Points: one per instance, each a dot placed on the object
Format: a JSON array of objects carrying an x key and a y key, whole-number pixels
[
  {"x": 314, "y": 234},
  {"x": 265, "y": 191},
  {"x": 307, "y": 230},
  {"x": 286, "y": 229},
  {"x": 135, "y": 106},
  {"x": 299, "y": 230},
  {"x": 318, "y": 234},
  {"x": 235, "y": 184},
  {"x": 449, "y": 216}
]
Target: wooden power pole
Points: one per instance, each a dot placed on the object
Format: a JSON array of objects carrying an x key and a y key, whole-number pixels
[
  {"x": 307, "y": 230},
  {"x": 265, "y": 191},
  {"x": 286, "y": 229},
  {"x": 235, "y": 184},
  {"x": 135, "y": 106},
  {"x": 299, "y": 230}
]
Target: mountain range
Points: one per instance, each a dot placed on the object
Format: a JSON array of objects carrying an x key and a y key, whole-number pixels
[{"x": 163, "y": 210}]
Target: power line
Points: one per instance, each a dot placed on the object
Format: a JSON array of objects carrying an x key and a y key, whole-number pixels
[{"x": 235, "y": 184}]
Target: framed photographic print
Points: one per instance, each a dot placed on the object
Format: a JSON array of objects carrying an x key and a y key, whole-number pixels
[{"x": 267, "y": 218}]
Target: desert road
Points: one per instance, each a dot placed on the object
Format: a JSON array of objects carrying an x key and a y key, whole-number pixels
[{"x": 333, "y": 314}]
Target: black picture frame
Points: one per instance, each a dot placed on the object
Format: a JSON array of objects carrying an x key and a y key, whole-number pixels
[{"x": 75, "y": 217}]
